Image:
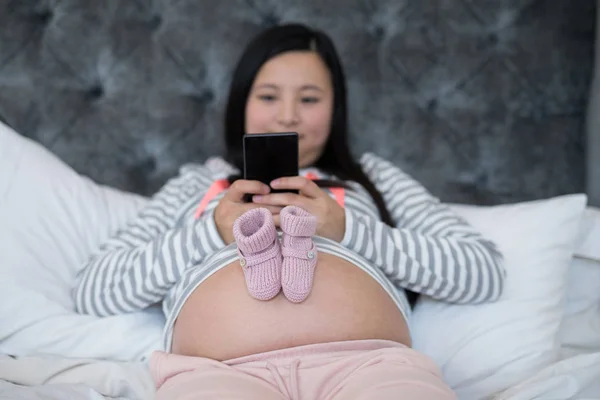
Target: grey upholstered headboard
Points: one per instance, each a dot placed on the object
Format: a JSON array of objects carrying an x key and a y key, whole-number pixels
[{"x": 483, "y": 101}]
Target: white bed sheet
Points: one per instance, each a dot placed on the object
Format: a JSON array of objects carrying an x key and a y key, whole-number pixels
[
  {"x": 11, "y": 391},
  {"x": 575, "y": 376},
  {"x": 50, "y": 377}
]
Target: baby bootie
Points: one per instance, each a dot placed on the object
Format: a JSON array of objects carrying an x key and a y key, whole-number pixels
[
  {"x": 260, "y": 252},
  {"x": 299, "y": 253}
]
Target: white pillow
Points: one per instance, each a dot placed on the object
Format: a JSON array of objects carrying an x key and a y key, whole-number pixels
[
  {"x": 483, "y": 349},
  {"x": 588, "y": 244},
  {"x": 580, "y": 327},
  {"x": 51, "y": 219},
  {"x": 583, "y": 289}
]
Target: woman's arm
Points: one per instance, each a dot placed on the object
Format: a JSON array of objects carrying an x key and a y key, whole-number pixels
[
  {"x": 432, "y": 250},
  {"x": 138, "y": 266}
]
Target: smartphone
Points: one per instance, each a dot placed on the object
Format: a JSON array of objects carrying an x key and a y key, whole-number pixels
[{"x": 268, "y": 156}]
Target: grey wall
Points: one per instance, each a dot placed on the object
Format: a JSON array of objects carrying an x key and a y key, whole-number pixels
[
  {"x": 484, "y": 102},
  {"x": 593, "y": 131}
]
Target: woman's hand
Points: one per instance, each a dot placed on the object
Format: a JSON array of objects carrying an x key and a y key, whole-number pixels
[
  {"x": 232, "y": 206},
  {"x": 331, "y": 219}
]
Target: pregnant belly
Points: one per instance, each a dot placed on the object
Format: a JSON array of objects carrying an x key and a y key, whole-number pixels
[{"x": 221, "y": 321}]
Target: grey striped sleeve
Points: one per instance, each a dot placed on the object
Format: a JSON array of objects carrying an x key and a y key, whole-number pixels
[
  {"x": 432, "y": 250},
  {"x": 137, "y": 267}
]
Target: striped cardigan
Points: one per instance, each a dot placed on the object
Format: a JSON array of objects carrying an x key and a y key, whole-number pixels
[{"x": 430, "y": 250}]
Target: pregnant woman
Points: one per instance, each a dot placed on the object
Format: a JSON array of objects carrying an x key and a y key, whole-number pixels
[{"x": 291, "y": 296}]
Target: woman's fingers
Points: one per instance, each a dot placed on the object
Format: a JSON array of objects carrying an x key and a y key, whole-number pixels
[
  {"x": 306, "y": 186},
  {"x": 274, "y": 210},
  {"x": 242, "y": 187},
  {"x": 282, "y": 200}
]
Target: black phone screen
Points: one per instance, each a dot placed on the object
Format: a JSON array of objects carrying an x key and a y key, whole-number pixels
[{"x": 270, "y": 156}]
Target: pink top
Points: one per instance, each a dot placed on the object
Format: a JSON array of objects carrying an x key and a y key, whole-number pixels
[{"x": 222, "y": 184}]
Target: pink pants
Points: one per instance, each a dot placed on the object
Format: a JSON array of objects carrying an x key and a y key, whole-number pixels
[{"x": 362, "y": 369}]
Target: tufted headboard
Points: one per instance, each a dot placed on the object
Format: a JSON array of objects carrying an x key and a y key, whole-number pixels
[{"x": 482, "y": 101}]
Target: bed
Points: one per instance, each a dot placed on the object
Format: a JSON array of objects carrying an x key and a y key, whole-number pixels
[{"x": 101, "y": 102}]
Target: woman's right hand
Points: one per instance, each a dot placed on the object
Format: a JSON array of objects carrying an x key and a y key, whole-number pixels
[{"x": 232, "y": 206}]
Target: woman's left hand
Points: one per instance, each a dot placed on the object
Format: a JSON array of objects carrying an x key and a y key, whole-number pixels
[{"x": 331, "y": 219}]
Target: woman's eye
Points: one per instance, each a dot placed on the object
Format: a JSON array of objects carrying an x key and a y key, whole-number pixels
[
  {"x": 266, "y": 97},
  {"x": 310, "y": 99}
]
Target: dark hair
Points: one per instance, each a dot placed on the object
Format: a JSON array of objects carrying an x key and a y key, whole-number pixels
[{"x": 336, "y": 158}]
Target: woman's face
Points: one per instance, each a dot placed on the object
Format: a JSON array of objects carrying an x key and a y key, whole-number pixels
[{"x": 293, "y": 92}]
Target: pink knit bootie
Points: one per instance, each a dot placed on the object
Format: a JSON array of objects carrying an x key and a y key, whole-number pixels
[
  {"x": 299, "y": 253},
  {"x": 260, "y": 252}
]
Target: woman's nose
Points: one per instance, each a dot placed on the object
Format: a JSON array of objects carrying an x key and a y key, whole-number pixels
[{"x": 288, "y": 113}]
